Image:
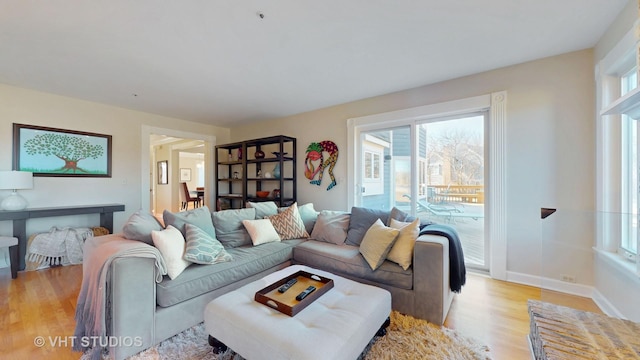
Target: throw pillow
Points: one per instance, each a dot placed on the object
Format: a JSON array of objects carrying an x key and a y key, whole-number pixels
[
  {"x": 361, "y": 220},
  {"x": 200, "y": 217},
  {"x": 171, "y": 245},
  {"x": 140, "y": 225},
  {"x": 402, "y": 251},
  {"x": 399, "y": 215},
  {"x": 261, "y": 231},
  {"x": 404, "y": 217},
  {"x": 229, "y": 229},
  {"x": 377, "y": 242},
  {"x": 263, "y": 209},
  {"x": 331, "y": 227},
  {"x": 202, "y": 248},
  {"x": 308, "y": 215},
  {"x": 288, "y": 224}
]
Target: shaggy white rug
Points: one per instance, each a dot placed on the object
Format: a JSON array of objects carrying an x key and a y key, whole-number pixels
[{"x": 407, "y": 338}]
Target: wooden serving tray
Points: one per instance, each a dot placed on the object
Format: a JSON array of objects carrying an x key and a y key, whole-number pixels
[{"x": 286, "y": 302}]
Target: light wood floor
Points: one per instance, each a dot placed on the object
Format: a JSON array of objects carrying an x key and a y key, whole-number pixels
[{"x": 42, "y": 303}]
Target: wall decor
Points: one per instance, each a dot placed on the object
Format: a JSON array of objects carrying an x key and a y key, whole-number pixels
[
  {"x": 185, "y": 174},
  {"x": 315, "y": 152},
  {"x": 46, "y": 151},
  {"x": 163, "y": 172}
]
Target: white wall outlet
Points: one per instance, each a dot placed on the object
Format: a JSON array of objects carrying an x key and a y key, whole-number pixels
[{"x": 568, "y": 278}]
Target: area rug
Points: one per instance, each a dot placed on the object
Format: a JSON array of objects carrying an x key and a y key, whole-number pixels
[
  {"x": 406, "y": 338},
  {"x": 559, "y": 332}
]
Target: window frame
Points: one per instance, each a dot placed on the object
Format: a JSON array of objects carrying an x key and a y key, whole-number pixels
[{"x": 613, "y": 167}]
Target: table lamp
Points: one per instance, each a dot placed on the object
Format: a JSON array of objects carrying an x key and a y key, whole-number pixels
[{"x": 15, "y": 180}]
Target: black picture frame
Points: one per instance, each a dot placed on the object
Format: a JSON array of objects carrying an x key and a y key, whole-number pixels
[{"x": 47, "y": 151}]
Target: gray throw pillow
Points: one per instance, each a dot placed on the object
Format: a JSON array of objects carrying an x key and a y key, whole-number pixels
[
  {"x": 200, "y": 217},
  {"x": 202, "y": 248},
  {"x": 331, "y": 227},
  {"x": 139, "y": 227},
  {"x": 361, "y": 220},
  {"x": 399, "y": 215},
  {"x": 229, "y": 228}
]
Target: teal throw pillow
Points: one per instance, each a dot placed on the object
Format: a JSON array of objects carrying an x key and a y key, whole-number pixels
[{"x": 202, "y": 248}]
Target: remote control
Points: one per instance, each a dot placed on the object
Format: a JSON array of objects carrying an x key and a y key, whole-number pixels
[
  {"x": 304, "y": 294},
  {"x": 286, "y": 286}
]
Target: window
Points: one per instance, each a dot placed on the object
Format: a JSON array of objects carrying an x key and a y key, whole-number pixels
[
  {"x": 371, "y": 165},
  {"x": 617, "y": 158},
  {"x": 629, "y": 165}
]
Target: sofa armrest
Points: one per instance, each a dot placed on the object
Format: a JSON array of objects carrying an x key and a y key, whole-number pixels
[
  {"x": 133, "y": 300},
  {"x": 431, "y": 278}
]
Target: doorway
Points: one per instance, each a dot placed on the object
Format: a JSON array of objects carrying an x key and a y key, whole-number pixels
[{"x": 187, "y": 156}]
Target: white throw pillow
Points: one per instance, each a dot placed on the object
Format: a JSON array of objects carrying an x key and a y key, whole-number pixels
[
  {"x": 261, "y": 231},
  {"x": 171, "y": 245},
  {"x": 402, "y": 251}
]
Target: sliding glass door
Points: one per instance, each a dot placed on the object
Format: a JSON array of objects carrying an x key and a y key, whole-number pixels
[{"x": 432, "y": 169}]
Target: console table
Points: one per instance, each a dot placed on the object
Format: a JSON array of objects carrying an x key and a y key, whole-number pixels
[{"x": 20, "y": 217}]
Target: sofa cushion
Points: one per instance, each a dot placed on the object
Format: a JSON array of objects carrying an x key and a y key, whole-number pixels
[
  {"x": 171, "y": 245},
  {"x": 266, "y": 208},
  {"x": 360, "y": 221},
  {"x": 331, "y": 227},
  {"x": 200, "y": 217},
  {"x": 140, "y": 225},
  {"x": 377, "y": 242},
  {"x": 199, "y": 279},
  {"x": 202, "y": 248},
  {"x": 346, "y": 260},
  {"x": 229, "y": 228},
  {"x": 261, "y": 231},
  {"x": 402, "y": 251}
]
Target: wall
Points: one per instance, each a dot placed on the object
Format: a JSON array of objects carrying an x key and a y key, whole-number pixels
[
  {"x": 550, "y": 150},
  {"x": 24, "y": 106}
]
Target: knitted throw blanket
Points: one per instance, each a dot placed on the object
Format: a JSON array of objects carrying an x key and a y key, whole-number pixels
[
  {"x": 59, "y": 246},
  {"x": 93, "y": 307}
]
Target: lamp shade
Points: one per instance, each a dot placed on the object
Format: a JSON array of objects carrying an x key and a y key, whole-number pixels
[{"x": 16, "y": 180}]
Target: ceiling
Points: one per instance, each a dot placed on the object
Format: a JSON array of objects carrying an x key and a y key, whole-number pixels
[{"x": 228, "y": 63}]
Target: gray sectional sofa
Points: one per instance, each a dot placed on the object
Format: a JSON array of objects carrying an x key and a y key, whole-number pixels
[{"x": 154, "y": 311}]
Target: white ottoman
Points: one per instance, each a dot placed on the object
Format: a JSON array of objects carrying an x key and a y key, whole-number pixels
[{"x": 338, "y": 325}]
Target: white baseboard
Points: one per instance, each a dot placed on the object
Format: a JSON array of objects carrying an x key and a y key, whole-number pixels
[
  {"x": 605, "y": 305},
  {"x": 551, "y": 284},
  {"x": 568, "y": 288}
]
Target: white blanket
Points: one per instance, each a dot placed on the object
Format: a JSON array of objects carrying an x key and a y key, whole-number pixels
[
  {"x": 91, "y": 308},
  {"x": 59, "y": 246}
]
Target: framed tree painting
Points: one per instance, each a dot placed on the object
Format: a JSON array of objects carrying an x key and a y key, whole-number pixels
[{"x": 48, "y": 151}]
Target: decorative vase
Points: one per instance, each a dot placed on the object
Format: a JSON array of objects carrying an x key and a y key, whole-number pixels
[
  {"x": 259, "y": 154},
  {"x": 276, "y": 171}
]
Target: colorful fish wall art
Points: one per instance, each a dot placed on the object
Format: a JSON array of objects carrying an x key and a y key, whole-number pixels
[{"x": 315, "y": 163}]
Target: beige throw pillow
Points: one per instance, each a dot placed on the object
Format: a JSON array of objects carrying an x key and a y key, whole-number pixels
[
  {"x": 377, "y": 242},
  {"x": 402, "y": 250}
]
